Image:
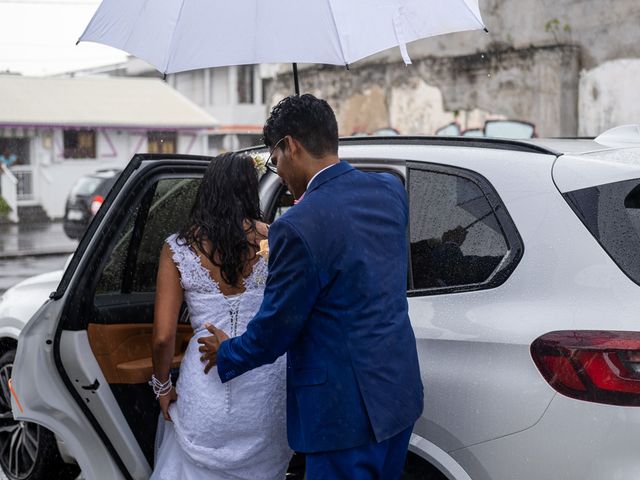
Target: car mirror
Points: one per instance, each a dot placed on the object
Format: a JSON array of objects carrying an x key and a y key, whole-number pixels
[
  {"x": 451, "y": 130},
  {"x": 509, "y": 129}
]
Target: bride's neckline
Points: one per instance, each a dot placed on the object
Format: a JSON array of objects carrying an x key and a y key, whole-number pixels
[{"x": 205, "y": 271}]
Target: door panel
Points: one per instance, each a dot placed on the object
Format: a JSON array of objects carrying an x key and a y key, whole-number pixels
[
  {"x": 104, "y": 405},
  {"x": 123, "y": 351},
  {"x": 112, "y": 308}
]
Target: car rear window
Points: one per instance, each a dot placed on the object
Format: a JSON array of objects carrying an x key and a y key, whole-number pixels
[
  {"x": 86, "y": 186},
  {"x": 457, "y": 240},
  {"x": 611, "y": 212}
]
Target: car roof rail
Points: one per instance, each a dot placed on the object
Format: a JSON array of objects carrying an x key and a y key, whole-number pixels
[
  {"x": 624, "y": 135},
  {"x": 473, "y": 142}
]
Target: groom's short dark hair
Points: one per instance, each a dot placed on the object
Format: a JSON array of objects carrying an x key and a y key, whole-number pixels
[{"x": 308, "y": 119}]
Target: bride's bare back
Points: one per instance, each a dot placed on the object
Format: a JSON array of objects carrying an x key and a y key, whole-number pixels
[{"x": 254, "y": 236}]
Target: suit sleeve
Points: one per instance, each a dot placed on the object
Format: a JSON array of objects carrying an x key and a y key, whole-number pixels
[{"x": 291, "y": 291}]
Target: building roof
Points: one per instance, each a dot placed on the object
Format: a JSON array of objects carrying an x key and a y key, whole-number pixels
[{"x": 97, "y": 102}]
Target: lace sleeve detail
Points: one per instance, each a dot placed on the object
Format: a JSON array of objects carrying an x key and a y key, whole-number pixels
[{"x": 176, "y": 254}]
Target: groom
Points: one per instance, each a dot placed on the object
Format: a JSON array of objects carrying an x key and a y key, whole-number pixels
[{"x": 335, "y": 302}]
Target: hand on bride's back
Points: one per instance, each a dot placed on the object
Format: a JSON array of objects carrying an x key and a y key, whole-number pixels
[{"x": 209, "y": 346}]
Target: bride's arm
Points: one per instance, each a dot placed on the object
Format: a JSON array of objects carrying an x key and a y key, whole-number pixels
[{"x": 169, "y": 296}]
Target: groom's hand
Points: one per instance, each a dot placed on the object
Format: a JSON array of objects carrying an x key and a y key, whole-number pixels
[{"x": 209, "y": 346}]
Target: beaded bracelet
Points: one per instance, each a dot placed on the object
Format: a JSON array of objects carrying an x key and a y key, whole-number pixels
[{"x": 160, "y": 388}]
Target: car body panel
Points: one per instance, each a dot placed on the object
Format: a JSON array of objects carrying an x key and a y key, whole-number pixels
[
  {"x": 573, "y": 172},
  {"x": 44, "y": 398},
  {"x": 21, "y": 301},
  {"x": 487, "y": 407},
  {"x": 605, "y": 437}
]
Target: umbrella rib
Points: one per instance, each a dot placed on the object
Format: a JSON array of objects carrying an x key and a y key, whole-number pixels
[
  {"x": 126, "y": 42},
  {"x": 335, "y": 24},
  {"x": 169, "y": 50},
  {"x": 475, "y": 16}
]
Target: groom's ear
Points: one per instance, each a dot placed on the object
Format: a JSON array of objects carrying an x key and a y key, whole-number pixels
[{"x": 294, "y": 145}]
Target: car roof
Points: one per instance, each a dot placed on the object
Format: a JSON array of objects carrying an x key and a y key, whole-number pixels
[
  {"x": 580, "y": 162},
  {"x": 457, "y": 141}
]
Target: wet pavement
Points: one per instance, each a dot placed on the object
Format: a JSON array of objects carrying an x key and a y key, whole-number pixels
[
  {"x": 34, "y": 239},
  {"x": 28, "y": 250}
]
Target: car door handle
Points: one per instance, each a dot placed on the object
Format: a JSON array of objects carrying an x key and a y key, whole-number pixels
[{"x": 93, "y": 387}]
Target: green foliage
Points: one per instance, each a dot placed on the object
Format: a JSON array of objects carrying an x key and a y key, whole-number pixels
[
  {"x": 552, "y": 25},
  {"x": 555, "y": 28},
  {"x": 4, "y": 207}
]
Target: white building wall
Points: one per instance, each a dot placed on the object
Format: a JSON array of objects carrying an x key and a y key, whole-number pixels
[
  {"x": 608, "y": 96},
  {"x": 220, "y": 86},
  {"x": 53, "y": 175}
]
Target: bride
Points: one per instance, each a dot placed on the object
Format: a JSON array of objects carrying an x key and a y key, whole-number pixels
[{"x": 215, "y": 431}]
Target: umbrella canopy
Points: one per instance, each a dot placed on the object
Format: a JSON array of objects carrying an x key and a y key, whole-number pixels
[{"x": 180, "y": 35}]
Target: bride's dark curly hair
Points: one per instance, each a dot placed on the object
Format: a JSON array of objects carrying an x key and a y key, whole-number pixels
[{"x": 226, "y": 200}]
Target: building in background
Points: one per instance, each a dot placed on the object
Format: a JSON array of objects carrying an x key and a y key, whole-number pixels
[
  {"x": 56, "y": 130},
  {"x": 233, "y": 95},
  {"x": 567, "y": 67}
]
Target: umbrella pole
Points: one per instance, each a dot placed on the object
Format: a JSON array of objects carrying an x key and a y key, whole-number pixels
[{"x": 296, "y": 83}]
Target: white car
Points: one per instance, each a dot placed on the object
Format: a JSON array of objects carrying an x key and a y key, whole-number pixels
[
  {"x": 27, "y": 450},
  {"x": 523, "y": 292}
]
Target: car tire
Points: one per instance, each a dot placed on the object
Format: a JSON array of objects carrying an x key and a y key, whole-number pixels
[{"x": 27, "y": 451}]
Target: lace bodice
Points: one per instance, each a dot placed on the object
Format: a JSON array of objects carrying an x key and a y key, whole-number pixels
[
  {"x": 206, "y": 302},
  {"x": 235, "y": 430}
]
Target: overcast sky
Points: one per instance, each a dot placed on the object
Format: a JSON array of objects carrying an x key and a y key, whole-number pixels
[{"x": 37, "y": 37}]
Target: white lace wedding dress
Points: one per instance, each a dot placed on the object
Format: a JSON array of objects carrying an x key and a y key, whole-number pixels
[{"x": 230, "y": 431}]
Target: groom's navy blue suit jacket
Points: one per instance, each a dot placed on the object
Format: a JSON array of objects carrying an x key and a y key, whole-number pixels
[{"x": 335, "y": 302}]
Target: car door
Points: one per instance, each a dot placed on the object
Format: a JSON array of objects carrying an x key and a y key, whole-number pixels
[
  {"x": 480, "y": 382},
  {"x": 89, "y": 348}
]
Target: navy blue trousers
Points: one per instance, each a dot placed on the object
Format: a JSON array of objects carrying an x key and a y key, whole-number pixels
[{"x": 375, "y": 461}]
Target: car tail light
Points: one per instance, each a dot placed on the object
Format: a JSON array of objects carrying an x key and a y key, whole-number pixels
[
  {"x": 96, "y": 203},
  {"x": 596, "y": 366}
]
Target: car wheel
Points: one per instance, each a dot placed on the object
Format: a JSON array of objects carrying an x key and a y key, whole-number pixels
[{"x": 27, "y": 451}]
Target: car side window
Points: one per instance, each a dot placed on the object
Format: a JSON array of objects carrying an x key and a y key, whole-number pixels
[
  {"x": 133, "y": 264},
  {"x": 457, "y": 238}
]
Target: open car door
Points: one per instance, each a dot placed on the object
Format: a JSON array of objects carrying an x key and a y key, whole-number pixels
[{"x": 84, "y": 360}]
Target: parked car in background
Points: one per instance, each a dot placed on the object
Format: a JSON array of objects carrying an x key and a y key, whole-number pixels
[
  {"x": 28, "y": 451},
  {"x": 505, "y": 129},
  {"x": 523, "y": 292},
  {"x": 85, "y": 199}
]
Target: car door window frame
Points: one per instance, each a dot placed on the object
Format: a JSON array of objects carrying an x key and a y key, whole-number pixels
[
  {"x": 515, "y": 245},
  {"x": 80, "y": 305}
]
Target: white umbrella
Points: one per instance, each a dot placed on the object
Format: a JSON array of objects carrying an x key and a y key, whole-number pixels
[{"x": 180, "y": 35}]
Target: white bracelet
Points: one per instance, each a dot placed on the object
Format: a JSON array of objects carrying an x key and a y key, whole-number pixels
[{"x": 160, "y": 389}]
